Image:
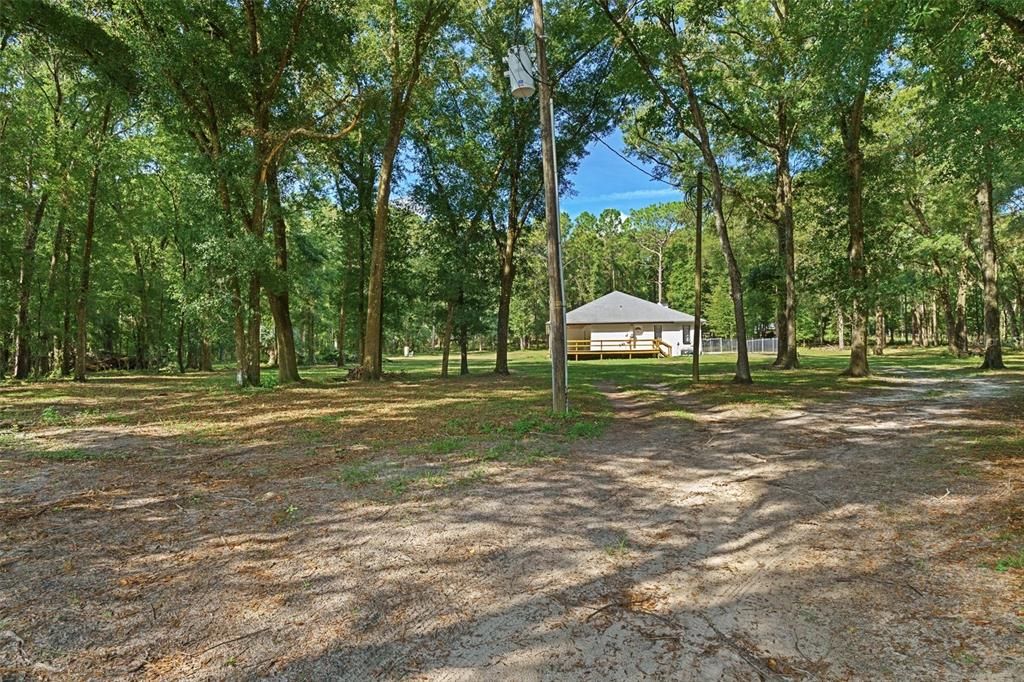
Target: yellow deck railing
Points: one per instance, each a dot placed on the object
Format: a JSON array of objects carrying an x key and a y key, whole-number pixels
[{"x": 616, "y": 346}]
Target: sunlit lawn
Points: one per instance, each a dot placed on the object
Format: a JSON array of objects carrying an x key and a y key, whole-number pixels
[
  {"x": 413, "y": 401},
  {"x": 413, "y": 426}
]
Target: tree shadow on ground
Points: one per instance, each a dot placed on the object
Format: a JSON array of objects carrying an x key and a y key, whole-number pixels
[{"x": 808, "y": 543}]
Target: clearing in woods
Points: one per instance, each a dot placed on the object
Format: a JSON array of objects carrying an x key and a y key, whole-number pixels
[{"x": 807, "y": 527}]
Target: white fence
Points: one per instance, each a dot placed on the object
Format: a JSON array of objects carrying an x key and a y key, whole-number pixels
[{"x": 713, "y": 346}]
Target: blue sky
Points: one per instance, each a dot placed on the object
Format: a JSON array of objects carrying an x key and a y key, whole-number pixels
[{"x": 604, "y": 180}]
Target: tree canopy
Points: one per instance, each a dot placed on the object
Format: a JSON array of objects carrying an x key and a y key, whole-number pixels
[{"x": 273, "y": 184}]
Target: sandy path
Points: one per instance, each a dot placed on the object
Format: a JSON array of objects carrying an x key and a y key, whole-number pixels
[
  {"x": 737, "y": 548},
  {"x": 814, "y": 544}
]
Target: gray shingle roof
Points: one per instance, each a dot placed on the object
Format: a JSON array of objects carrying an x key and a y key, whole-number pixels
[{"x": 617, "y": 307}]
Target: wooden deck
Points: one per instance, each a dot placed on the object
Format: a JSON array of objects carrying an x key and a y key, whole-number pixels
[{"x": 585, "y": 349}]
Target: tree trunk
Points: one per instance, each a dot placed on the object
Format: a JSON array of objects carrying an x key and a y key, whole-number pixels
[
  {"x": 1019, "y": 298},
  {"x": 918, "y": 325},
  {"x": 463, "y": 351},
  {"x": 241, "y": 376},
  {"x": 661, "y": 276},
  {"x": 284, "y": 338},
  {"x": 446, "y": 338},
  {"x": 160, "y": 358},
  {"x": 403, "y": 84},
  {"x": 1012, "y": 323},
  {"x": 942, "y": 291},
  {"x": 340, "y": 332},
  {"x": 718, "y": 204},
  {"x": 508, "y": 273},
  {"x": 841, "y": 328},
  {"x": 67, "y": 352},
  {"x": 851, "y": 125},
  {"x": 402, "y": 87},
  {"x": 22, "y": 341},
  {"x": 933, "y": 325},
  {"x": 990, "y": 278},
  {"x": 272, "y": 355},
  {"x": 380, "y": 331},
  {"x": 52, "y": 333},
  {"x": 780, "y": 305},
  {"x": 254, "y": 344},
  {"x": 141, "y": 353},
  {"x": 787, "y": 354},
  {"x": 372, "y": 351},
  {"x": 363, "y": 283},
  {"x": 81, "y": 316},
  {"x": 926, "y": 326},
  {"x": 879, "y": 331},
  {"x": 949, "y": 317},
  {"x": 90, "y": 231},
  {"x": 277, "y": 290},
  {"x": 963, "y": 278},
  {"x": 181, "y": 344},
  {"x": 1020, "y": 305},
  {"x": 310, "y": 335},
  {"x": 205, "y": 356},
  {"x": 506, "y": 254}
]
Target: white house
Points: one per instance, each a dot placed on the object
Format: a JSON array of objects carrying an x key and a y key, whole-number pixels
[{"x": 620, "y": 325}]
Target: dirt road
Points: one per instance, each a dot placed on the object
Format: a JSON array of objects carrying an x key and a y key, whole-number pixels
[{"x": 839, "y": 542}]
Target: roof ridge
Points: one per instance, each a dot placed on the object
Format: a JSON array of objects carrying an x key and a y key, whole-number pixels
[{"x": 618, "y": 307}]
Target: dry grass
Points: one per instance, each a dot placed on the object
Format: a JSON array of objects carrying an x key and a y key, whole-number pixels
[{"x": 151, "y": 524}]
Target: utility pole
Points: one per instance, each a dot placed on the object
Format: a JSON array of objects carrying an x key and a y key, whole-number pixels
[
  {"x": 697, "y": 266},
  {"x": 556, "y": 307}
]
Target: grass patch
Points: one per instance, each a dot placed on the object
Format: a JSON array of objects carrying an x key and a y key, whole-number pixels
[
  {"x": 618, "y": 549},
  {"x": 51, "y": 416},
  {"x": 72, "y": 455},
  {"x": 289, "y": 514},
  {"x": 446, "y": 445},
  {"x": 400, "y": 482},
  {"x": 359, "y": 474},
  {"x": 499, "y": 451},
  {"x": 534, "y": 455},
  {"x": 521, "y": 427},
  {"x": 476, "y": 475},
  {"x": 585, "y": 429},
  {"x": 1013, "y": 561},
  {"x": 309, "y": 435},
  {"x": 391, "y": 478},
  {"x": 196, "y": 434},
  {"x": 332, "y": 417}
]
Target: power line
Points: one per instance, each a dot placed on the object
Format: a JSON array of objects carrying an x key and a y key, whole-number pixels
[{"x": 638, "y": 166}]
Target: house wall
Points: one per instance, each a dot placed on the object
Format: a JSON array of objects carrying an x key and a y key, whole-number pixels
[
  {"x": 617, "y": 336},
  {"x": 673, "y": 336}
]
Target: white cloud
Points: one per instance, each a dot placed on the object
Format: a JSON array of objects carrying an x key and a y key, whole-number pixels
[{"x": 631, "y": 194}]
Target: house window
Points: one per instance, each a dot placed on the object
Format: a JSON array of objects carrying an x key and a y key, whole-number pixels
[
  {"x": 686, "y": 335},
  {"x": 657, "y": 331}
]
